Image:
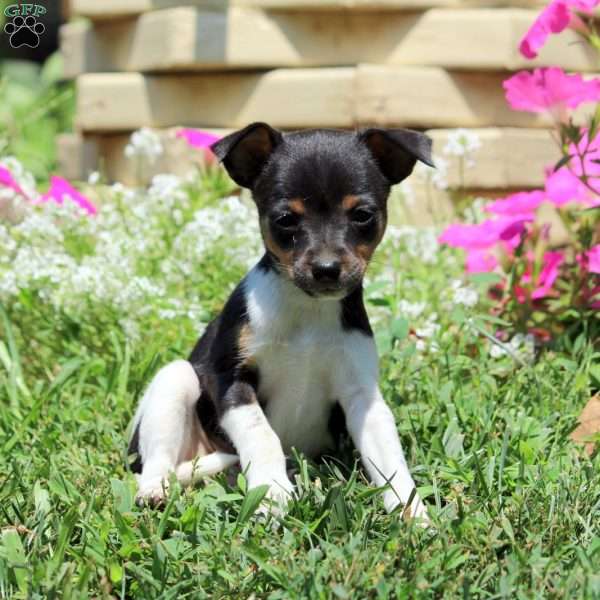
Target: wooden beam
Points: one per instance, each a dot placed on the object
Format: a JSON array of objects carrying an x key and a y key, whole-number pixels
[
  {"x": 116, "y": 9},
  {"x": 285, "y": 97},
  {"x": 188, "y": 38},
  {"x": 422, "y": 97}
]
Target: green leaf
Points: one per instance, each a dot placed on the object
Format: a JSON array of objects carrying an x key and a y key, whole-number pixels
[
  {"x": 562, "y": 162},
  {"x": 123, "y": 495},
  {"x": 41, "y": 499},
  {"x": 15, "y": 553},
  {"x": 66, "y": 371},
  {"x": 115, "y": 572},
  {"x": 251, "y": 502},
  {"x": 400, "y": 328}
]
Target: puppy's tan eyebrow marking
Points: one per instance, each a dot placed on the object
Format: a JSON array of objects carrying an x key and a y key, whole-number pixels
[
  {"x": 350, "y": 201},
  {"x": 297, "y": 205}
]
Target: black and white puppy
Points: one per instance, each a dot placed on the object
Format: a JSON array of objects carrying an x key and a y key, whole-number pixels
[{"x": 292, "y": 352}]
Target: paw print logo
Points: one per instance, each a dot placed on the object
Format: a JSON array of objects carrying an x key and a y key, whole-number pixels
[{"x": 24, "y": 31}]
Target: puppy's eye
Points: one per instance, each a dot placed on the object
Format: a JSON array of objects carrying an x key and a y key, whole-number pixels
[
  {"x": 287, "y": 221},
  {"x": 362, "y": 216}
]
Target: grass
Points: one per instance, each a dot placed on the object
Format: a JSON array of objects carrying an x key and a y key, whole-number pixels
[
  {"x": 35, "y": 107},
  {"x": 515, "y": 504}
]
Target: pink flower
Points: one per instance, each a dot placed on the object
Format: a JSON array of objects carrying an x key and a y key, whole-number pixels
[
  {"x": 550, "y": 270},
  {"x": 549, "y": 89},
  {"x": 522, "y": 204},
  {"x": 198, "y": 138},
  {"x": 60, "y": 189},
  {"x": 7, "y": 180},
  {"x": 555, "y": 18}
]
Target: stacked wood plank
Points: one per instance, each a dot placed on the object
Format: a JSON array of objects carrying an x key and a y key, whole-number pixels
[{"x": 426, "y": 64}]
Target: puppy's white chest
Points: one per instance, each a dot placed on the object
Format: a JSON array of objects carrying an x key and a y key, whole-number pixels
[{"x": 296, "y": 389}]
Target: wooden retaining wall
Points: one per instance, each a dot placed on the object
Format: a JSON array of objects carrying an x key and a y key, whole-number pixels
[{"x": 426, "y": 64}]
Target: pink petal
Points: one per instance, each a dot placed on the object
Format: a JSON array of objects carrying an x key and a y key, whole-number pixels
[
  {"x": 198, "y": 138},
  {"x": 480, "y": 261},
  {"x": 585, "y": 6},
  {"x": 553, "y": 19},
  {"x": 61, "y": 188},
  {"x": 513, "y": 229},
  {"x": 519, "y": 204},
  {"x": 593, "y": 259},
  {"x": 550, "y": 270},
  {"x": 483, "y": 235},
  {"x": 563, "y": 187},
  {"x": 7, "y": 180},
  {"x": 549, "y": 88}
]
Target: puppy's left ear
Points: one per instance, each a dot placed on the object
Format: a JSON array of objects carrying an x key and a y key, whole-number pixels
[
  {"x": 244, "y": 153},
  {"x": 397, "y": 151}
]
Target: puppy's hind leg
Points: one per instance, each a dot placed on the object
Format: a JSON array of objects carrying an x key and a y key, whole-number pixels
[{"x": 165, "y": 428}]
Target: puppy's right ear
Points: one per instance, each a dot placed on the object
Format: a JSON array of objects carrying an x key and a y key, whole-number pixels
[{"x": 245, "y": 152}]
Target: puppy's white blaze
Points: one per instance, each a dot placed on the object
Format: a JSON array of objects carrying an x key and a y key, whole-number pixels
[
  {"x": 192, "y": 471},
  {"x": 258, "y": 446}
]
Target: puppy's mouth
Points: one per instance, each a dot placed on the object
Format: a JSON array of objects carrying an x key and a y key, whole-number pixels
[
  {"x": 325, "y": 290},
  {"x": 330, "y": 293}
]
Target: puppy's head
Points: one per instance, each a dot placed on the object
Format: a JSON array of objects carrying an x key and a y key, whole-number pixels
[{"x": 321, "y": 196}]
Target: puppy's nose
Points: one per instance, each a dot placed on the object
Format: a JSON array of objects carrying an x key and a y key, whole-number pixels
[{"x": 327, "y": 270}]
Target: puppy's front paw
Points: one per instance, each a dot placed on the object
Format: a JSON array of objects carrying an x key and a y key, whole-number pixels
[
  {"x": 152, "y": 493},
  {"x": 277, "y": 497},
  {"x": 414, "y": 510}
]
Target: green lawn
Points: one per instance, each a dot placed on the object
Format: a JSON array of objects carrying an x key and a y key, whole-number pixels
[{"x": 515, "y": 505}]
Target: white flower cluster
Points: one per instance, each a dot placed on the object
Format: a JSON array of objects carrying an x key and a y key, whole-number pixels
[
  {"x": 231, "y": 219},
  {"x": 144, "y": 144},
  {"x": 521, "y": 346},
  {"x": 134, "y": 257},
  {"x": 411, "y": 309},
  {"x": 417, "y": 242},
  {"x": 463, "y": 294},
  {"x": 426, "y": 334}
]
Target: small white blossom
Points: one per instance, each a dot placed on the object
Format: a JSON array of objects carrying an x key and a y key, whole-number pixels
[
  {"x": 410, "y": 309},
  {"x": 521, "y": 346},
  {"x": 145, "y": 144},
  {"x": 417, "y": 242},
  {"x": 94, "y": 178},
  {"x": 430, "y": 328},
  {"x": 438, "y": 176},
  {"x": 462, "y": 142},
  {"x": 464, "y": 295},
  {"x": 23, "y": 177}
]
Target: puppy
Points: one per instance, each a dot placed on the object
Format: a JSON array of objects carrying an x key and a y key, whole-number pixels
[{"x": 292, "y": 356}]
